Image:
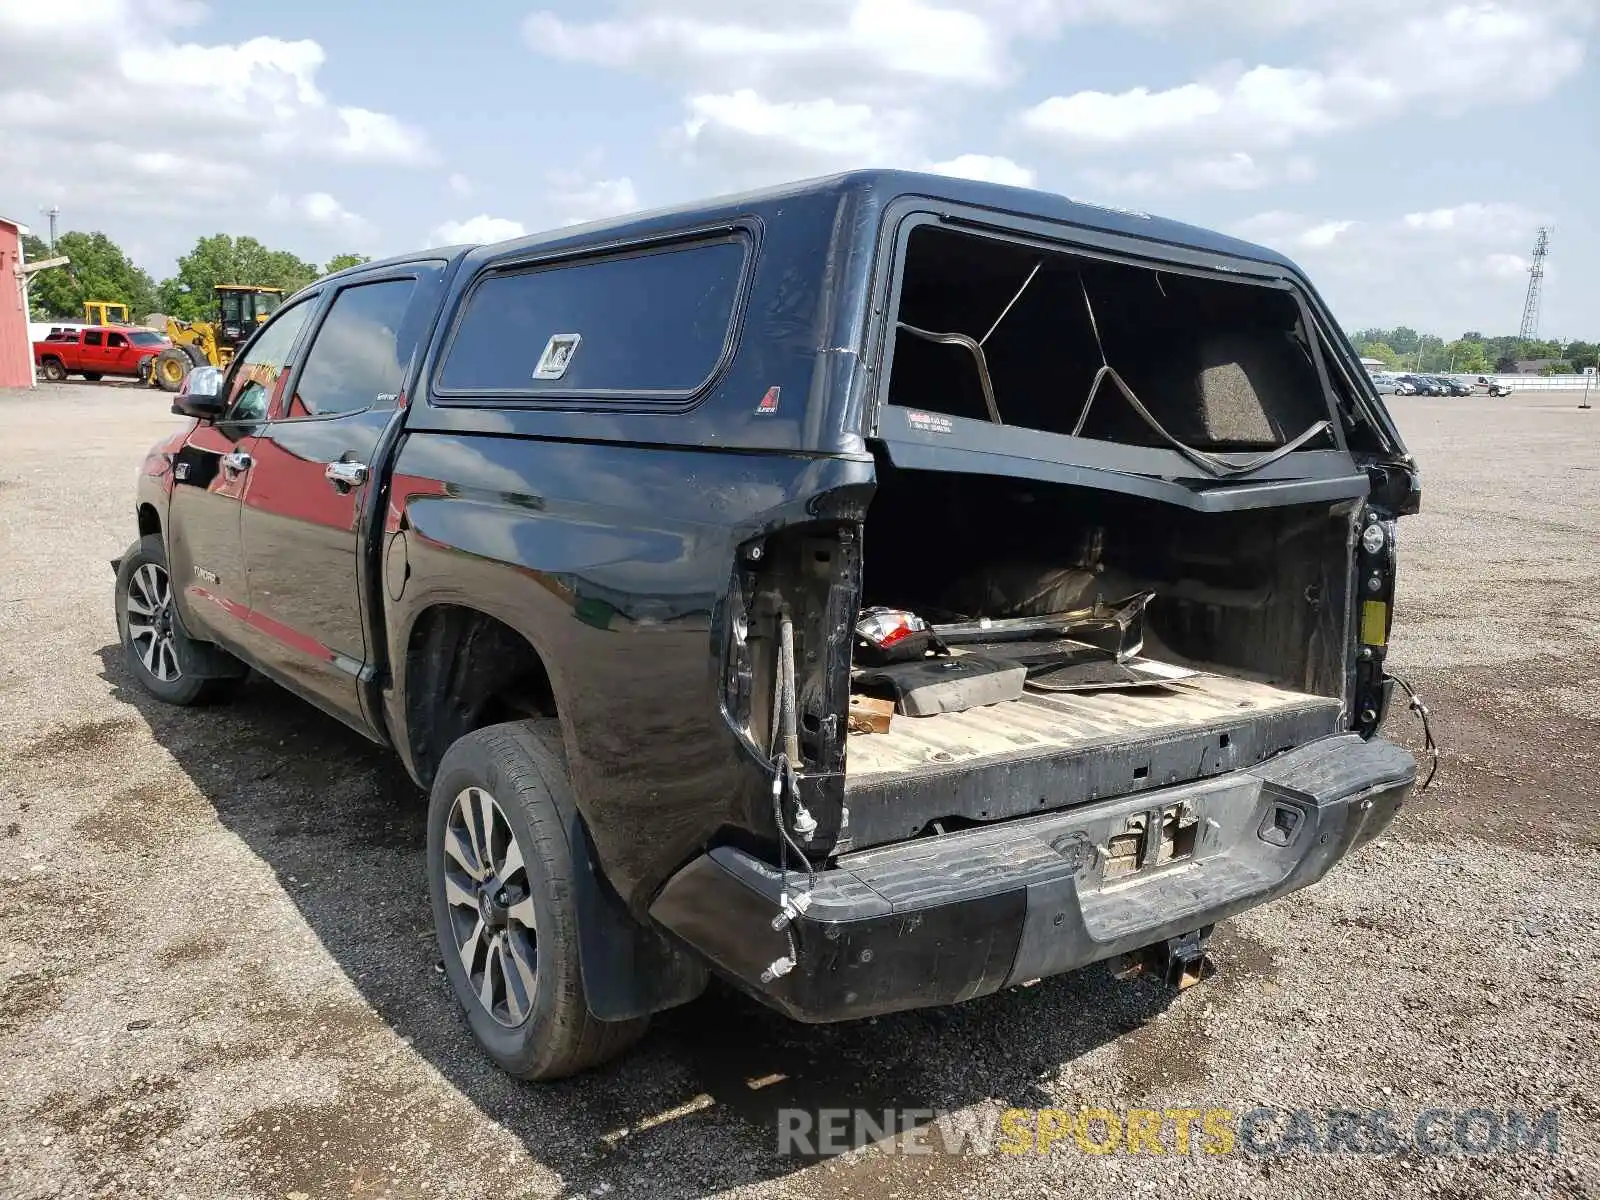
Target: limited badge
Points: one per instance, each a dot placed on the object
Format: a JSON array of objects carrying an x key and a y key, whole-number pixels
[{"x": 557, "y": 356}]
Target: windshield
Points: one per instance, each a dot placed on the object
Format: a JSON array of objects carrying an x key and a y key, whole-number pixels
[{"x": 144, "y": 337}]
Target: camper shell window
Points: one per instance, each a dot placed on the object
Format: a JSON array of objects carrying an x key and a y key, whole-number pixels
[{"x": 1016, "y": 334}]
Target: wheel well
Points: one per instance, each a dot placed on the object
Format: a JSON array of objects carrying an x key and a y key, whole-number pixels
[
  {"x": 464, "y": 670},
  {"x": 149, "y": 520}
]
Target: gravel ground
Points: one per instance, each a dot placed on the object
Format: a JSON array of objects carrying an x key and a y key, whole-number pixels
[{"x": 217, "y": 976}]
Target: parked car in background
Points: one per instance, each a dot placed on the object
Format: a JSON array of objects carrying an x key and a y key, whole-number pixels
[
  {"x": 1422, "y": 385},
  {"x": 1456, "y": 387},
  {"x": 95, "y": 351},
  {"x": 1493, "y": 387},
  {"x": 1390, "y": 385}
]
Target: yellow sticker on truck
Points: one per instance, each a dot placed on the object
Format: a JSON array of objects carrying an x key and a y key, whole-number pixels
[{"x": 1374, "y": 622}]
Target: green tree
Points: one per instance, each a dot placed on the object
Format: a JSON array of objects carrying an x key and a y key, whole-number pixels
[
  {"x": 1466, "y": 356},
  {"x": 1505, "y": 364},
  {"x": 1539, "y": 350},
  {"x": 1582, "y": 354},
  {"x": 1404, "y": 340},
  {"x": 340, "y": 261},
  {"x": 1381, "y": 351},
  {"x": 224, "y": 259},
  {"x": 1429, "y": 354},
  {"x": 99, "y": 271},
  {"x": 1558, "y": 367}
]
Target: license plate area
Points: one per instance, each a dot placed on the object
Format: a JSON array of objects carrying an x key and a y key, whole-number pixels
[{"x": 1150, "y": 839}]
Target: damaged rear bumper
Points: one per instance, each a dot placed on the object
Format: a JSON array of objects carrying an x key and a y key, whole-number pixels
[{"x": 944, "y": 919}]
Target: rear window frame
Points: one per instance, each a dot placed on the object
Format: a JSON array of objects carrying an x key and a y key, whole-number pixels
[
  {"x": 745, "y": 233},
  {"x": 1081, "y": 243}
]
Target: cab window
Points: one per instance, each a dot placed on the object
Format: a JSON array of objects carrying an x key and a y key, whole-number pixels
[
  {"x": 358, "y": 360},
  {"x": 116, "y": 340},
  {"x": 257, "y": 373},
  {"x": 92, "y": 337}
]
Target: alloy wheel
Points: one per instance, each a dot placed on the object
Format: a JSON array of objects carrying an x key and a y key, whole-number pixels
[
  {"x": 151, "y": 622},
  {"x": 487, "y": 896}
]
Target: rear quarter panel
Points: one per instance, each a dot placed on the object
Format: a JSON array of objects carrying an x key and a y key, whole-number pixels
[{"x": 613, "y": 562}]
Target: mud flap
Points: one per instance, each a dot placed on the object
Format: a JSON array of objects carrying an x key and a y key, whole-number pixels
[{"x": 629, "y": 969}]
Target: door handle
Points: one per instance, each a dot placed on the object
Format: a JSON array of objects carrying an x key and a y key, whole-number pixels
[
  {"x": 346, "y": 475},
  {"x": 236, "y": 462}
]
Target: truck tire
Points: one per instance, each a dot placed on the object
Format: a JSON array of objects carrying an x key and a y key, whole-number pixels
[
  {"x": 54, "y": 370},
  {"x": 92, "y": 376},
  {"x": 170, "y": 369},
  {"x": 196, "y": 355},
  {"x": 159, "y": 651},
  {"x": 501, "y": 880}
]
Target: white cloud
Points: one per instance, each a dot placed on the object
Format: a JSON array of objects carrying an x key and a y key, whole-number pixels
[
  {"x": 775, "y": 90},
  {"x": 1236, "y": 172},
  {"x": 479, "y": 229},
  {"x": 375, "y": 137},
  {"x": 322, "y": 209},
  {"x": 1470, "y": 220},
  {"x": 988, "y": 168},
  {"x": 459, "y": 185},
  {"x": 1444, "y": 270},
  {"x": 576, "y": 198},
  {"x": 1428, "y": 60},
  {"x": 760, "y": 139},
  {"x": 111, "y": 107},
  {"x": 777, "y": 47},
  {"x": 567, "y": 196}
]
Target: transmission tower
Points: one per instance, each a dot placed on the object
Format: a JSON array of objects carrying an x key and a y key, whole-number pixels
[{"x": 1530, "y": 307}]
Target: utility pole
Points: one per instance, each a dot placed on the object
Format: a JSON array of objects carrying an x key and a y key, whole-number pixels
[
  {"x": 52, "y": 212},
  {"x": 1530, "y": 306}
]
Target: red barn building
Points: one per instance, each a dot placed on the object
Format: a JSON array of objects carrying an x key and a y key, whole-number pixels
[{"x": 16, "y": 351}]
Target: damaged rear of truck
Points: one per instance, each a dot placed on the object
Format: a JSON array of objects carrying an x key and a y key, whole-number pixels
[
  {"x": 932, "y": 587},
  {"x": 1059, "y": 417}
]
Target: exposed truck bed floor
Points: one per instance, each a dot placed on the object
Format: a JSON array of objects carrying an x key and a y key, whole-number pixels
[{"x": 1046, "y": 751}]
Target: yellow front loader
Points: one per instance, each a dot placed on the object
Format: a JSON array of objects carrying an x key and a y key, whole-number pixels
[{"x": 211, "y": 341}]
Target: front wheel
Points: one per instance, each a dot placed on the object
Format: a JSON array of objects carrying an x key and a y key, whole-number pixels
[
  {"x": 154, "y": 640},
  {"x": 501, "y": 879},
  {"x": 170, "y": 368}
]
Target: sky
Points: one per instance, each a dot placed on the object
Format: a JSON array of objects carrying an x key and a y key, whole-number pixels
[{"x": 1403, "y": 151}]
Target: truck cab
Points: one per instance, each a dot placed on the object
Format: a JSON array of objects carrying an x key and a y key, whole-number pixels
[{"x": 605, "y": 532}]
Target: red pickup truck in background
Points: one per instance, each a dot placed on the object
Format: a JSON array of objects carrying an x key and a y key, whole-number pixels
[{"x": 94, "y": 351}]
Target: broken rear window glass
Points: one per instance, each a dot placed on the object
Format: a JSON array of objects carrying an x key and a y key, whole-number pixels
[{"x": 998, "y": 331}]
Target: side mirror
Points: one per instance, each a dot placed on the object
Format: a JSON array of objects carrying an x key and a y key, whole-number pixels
[{"x": 201, "y": 394}]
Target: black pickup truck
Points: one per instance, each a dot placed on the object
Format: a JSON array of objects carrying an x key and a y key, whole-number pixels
[{"x": 602, "y": 531}]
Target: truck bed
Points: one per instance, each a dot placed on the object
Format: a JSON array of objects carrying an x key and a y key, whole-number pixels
[{"x": 1048, "y": 751}]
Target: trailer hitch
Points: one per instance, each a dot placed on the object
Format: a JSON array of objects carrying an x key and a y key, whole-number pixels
[{"x": 1179, "y": 962}]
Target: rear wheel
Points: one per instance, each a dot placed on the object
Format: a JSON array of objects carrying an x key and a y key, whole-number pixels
[
  {"x": 171, "y": 367},
  {"x": 54, "y": 370},
  {"x": 154, "y": 640},
  {"x": 501, "y": 876}
]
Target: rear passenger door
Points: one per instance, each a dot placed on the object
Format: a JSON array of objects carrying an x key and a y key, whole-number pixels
[
  {"x": 92, "y": 354},
  {"x": 315, "y": 463}
]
